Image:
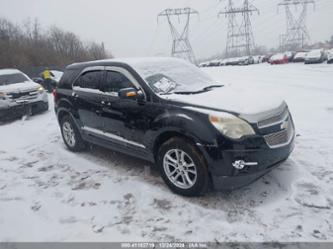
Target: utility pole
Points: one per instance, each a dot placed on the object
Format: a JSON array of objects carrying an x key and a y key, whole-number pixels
[
  {"x": 181, "y": 46},
  {"x": 240, "y": 39},
  {"x": 297, "y": 34}
]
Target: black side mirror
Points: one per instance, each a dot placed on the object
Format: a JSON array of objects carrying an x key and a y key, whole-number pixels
[{"x": 130, "y": 93}]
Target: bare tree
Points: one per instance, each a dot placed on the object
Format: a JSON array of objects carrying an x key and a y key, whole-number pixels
[{"x": 29, "y": 45}]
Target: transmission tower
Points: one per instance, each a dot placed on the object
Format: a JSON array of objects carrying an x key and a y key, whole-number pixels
[
  {"x": 240, "y": 40},
  {"x": 181, "y": 46},
  {"x": 297, "y": 34}
]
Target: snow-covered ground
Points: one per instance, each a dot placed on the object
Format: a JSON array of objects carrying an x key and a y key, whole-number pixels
[{"x": 50, "y": 194}]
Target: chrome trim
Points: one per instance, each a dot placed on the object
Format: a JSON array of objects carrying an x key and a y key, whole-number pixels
[
  {"x": 112, "y": 136},
  {"x": 283, "y": 118},
  {"x": 255, "y": 118},
  {"x": 240, "y": 164}
]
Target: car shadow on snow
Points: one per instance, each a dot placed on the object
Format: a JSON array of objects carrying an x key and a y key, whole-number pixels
[{"x": 270, "y": 188}]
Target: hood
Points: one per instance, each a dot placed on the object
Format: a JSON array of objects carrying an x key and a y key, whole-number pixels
[
  {"x": 246, "y": 103},
  {"x": 20, "y": 87}
]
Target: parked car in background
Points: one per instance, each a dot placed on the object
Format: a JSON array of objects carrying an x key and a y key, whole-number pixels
[
  {"x": 56, "y": 76},
  {"x": 239, "y": 61},
  {"x": 204, "y": 64},
  {"x": 280, "y": 58},
  {"x": 290, "y": 55},
  {"x": 245, "y": 60},
  {"x": 330, "y": 56},
  {"x": 315, "y": 56},
  {"x": 300, "y": 57},
  {"x": 19, "y": 95},
  {"x": 171, "y": 113},
  {"x": 214, "y": 63}
]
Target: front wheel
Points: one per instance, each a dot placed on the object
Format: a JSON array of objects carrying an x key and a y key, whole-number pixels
[
  {"x": 71, "y": 134},
  {"x": 183, "y": 168}
]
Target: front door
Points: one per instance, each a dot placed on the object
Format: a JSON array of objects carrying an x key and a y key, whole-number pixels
[{"x": 124, "y": 120}]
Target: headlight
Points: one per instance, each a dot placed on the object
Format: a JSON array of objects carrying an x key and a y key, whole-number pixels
[
  {"x": 231, "y": 126},
  {"x": 41, "y": 89},
  {"x": 2, "y": 95}
]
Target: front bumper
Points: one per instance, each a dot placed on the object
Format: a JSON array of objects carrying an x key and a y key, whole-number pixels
[
  {"x": 19, "y": 108},
  {"x": 226, "y": 177}
]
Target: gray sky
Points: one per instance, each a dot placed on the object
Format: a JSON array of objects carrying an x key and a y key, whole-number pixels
[{"x": 129, "y": 27}]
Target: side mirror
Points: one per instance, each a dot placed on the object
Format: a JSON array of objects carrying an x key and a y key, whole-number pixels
[{"x": 130, "y": 93}]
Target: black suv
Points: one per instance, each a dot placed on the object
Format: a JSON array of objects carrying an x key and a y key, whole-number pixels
[{"x": 199, "y": 133}]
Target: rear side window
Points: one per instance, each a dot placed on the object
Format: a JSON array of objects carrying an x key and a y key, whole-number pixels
[
  {"x": 90, "y": 80},
  {"x": 115, "y": 81}
]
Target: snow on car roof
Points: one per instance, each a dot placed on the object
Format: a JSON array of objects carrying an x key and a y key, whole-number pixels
[
  {"x": 9, "y": 71},
  {"x": 132, "y": 61}
]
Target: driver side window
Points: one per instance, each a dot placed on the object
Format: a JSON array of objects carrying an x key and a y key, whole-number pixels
[
  {"x": 114, "y": 81},
  {"x": 89, "y": 80}
]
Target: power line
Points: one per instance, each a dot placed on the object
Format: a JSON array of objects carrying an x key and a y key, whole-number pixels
[
  {"x": 297, "y": 34},
  {"x": 181, "y": 46},
  {"x": 240, "y": 39}
]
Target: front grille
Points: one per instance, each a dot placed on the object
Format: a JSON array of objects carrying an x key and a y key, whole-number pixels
[
  {"x": 276, "y": 119},
  {"x": 282, "y": 137},
  {"x": 23, "y": 95}
]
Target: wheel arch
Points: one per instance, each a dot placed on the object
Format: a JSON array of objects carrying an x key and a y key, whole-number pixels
[{"x": 167, "y": 135}]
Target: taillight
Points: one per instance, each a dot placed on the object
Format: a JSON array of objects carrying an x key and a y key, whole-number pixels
[{"x": 54, "y": 93}]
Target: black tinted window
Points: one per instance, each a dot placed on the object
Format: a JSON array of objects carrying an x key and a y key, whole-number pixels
[
  {"x": 115, "y": 81},
  {"x": 91, "y": 80}
]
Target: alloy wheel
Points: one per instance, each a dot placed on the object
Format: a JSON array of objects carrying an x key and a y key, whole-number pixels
[
  {"x": 69, "y": 134},
  {"x": 180, "y": 168}
]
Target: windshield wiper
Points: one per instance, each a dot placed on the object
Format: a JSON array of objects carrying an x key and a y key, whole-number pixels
[
  {"x": 208, "y": 88},
  {"x": 205, "y": 89}
]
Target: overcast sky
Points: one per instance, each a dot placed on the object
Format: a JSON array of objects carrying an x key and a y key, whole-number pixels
[{"x": 129, "y": 27}]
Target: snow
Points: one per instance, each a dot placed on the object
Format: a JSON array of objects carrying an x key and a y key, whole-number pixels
[
  {"x": 50, "y": 194},
  {"x": 223, "y": 98},
  {"x": 9, "y": 71},
  {"x": 24, "y": 86}
]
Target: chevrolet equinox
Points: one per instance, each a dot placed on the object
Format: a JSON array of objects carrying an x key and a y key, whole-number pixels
[{"x": 199, "y": 133}]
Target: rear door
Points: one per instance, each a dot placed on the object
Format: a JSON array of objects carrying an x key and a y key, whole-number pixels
[{"x": 87, "y": 97}]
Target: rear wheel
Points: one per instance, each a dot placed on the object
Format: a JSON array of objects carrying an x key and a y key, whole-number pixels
[
  {"x": 183, "y": 168},
  {"x": 71, "y": 134}
]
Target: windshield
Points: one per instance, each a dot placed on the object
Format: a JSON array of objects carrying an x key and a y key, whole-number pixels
[
  {"x": 8, "y": 79},
  {"x": 171, "y": 76}
]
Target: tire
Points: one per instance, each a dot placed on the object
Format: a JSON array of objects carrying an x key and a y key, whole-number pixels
[
  {"x": 198, "y": 183},
  {"x": 71, "y": 135},
  {"x": 46, "y": 107}
]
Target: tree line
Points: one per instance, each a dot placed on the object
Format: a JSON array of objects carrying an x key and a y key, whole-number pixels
[{"x": 28, "y": 45}]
